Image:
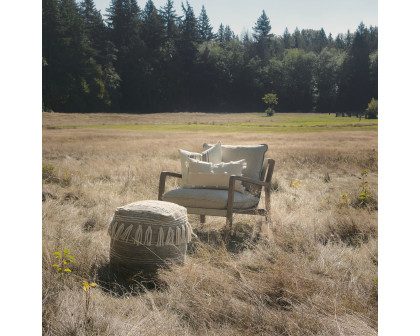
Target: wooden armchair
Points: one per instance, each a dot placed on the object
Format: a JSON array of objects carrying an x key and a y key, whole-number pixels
[{"x": 224, "y": 203}]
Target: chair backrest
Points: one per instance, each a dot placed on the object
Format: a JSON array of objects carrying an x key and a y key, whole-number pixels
[{"x": 254, "y": 156}]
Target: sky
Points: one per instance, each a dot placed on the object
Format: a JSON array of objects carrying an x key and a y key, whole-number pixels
[{"x": 335, "y": 16}]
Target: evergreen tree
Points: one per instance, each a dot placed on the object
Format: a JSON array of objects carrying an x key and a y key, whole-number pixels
[
  {"x": 355, "y": 89},
  {"x": 262, "y": 35},
  {"x": 50, "y": 52},
  {"x": 124, "y": 22},
  {"x": 228, "y": 34},
  {"x": 298, "y": 39},
  {"x": 262, "y": 27},
  {"x": 287, "y": 39},
  {"x": 321, "y": 41},
  {"x": 220, "y": 36},
  {"x": 170, "y": 20},
  {"x": 186, "y": 54},
  {"x": 204, "y": 28},
  {"x": 153, "y": 29},
  {"x": 94, "y": 27}
]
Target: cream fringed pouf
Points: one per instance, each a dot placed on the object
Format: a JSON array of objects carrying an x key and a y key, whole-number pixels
[{"x": 146, "y": 235}]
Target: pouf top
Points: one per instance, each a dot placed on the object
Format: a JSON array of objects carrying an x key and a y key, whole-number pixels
[{"x": 160, "y": 211}]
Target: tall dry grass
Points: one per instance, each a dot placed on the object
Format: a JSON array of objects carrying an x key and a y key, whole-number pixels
[{"x": 313, "y": 272}]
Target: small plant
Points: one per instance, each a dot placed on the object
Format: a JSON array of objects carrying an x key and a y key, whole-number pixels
[
  {"x": 88, "y": 297},
  {"x": 344, "y": 200},
  {"x": 66, "y": 180},
  {"x": 295, "y": 185},
  {"x": 364, "y": 195},
  {"x": 48, "y": 173},
  {"x": 64, "y": 258},
  {"x": 372, "y": 110},
  {"x": 270, "y": 99},
  {"x": 50, "y": 176}
]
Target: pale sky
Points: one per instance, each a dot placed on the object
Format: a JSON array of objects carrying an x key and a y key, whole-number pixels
[{"x": 335, "y": 16}]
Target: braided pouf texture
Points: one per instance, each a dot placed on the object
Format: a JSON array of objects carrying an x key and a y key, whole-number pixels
[{"x": 146, "y": 235}]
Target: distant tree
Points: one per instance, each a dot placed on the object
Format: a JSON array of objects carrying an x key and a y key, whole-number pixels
[
  {"x": 373, "y": 72},
  {"x": 187, "y": 49},
  {"x": 94, "y": 27},
  {"x": 288, "y": 40},
  {"x": 270, "y": 99},
  {"x": 204, "y": 28},
  {"x": 50, "y": 54},
  {"x": 229, "y": 34},
  {"x": 152, "y": 29},
  {"x": 321, "y": 41},
  {"x": 339, "y": 42},
  {"x": 298, "y": 76},
  {"x": 355, "y": 89},
  {"x": 220, "y": 36},
  {"x": 262, "y": 35},
  {"x": 298, "y": 39},
  {"x": 262, "y": 27},
  {"x": 372, "y": 109},
  {"x": 124, "y": 22},
  {"x": 326, "y": 76}
]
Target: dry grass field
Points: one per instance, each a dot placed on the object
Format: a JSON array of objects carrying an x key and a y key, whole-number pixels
[{"x": 313, "y": 272}]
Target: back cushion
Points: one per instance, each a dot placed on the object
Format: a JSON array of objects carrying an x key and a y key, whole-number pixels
[{"x": 253, "y": 155}]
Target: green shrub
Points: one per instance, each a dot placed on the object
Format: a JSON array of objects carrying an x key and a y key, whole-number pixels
[
  {"x": 372, "y": 110},
  {"x": 50, "y": 176},
  {"x": 48, "y": 173},
  {"x": 270, "y": 112}
]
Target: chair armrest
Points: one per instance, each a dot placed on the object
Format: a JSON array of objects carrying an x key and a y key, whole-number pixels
[
  {"x": 162, "y": 181},
  {"x": 234, "y": 178}
]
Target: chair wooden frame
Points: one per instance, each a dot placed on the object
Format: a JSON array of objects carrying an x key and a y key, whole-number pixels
[{"x": 265, "y": 182}]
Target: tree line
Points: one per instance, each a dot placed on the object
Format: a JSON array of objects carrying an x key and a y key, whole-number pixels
[{"x": 153, "y": 60}]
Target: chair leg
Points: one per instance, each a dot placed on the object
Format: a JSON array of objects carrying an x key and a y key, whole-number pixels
[
  {"x": 229, "y": 222},
  {"x": 202, "y": 219},
  {"x": 268, "y": 218}
]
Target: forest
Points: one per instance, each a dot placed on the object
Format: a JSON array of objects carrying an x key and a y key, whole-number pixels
[{"x": 137, "y": 59}]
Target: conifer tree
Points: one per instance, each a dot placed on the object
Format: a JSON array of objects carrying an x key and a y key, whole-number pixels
[
  {"x": 170, "y": 20},
  {"x": 262, "y": 34},
  {"x": 94, "y": 26},
  {"x": 153, "y": 28},
  {"x": 220, "y": 36},
  {"x": 262, "y": 27},
  {"x": 204, "y": 28}
]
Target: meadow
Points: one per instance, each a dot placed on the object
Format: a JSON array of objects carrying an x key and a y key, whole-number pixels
[{"x": 313, "y": 272}]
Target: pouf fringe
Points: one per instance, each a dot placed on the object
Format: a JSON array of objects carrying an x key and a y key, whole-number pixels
[
  {"x": 174, "y": 236},
  {"x": 138, "y": 235},
  {"x": 148, "y": 236},
  {"x": 161, "y": 238}
]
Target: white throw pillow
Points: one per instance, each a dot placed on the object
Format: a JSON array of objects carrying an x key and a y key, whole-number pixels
[
  {"x": 213, "y": 155},
  {"x": 213, "y": 176}
]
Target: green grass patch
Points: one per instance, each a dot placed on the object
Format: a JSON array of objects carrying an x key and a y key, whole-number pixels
[{"x": 288, "y": 123}]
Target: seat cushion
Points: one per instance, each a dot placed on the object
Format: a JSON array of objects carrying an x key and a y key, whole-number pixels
[{"x": 209, "y": 198}]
